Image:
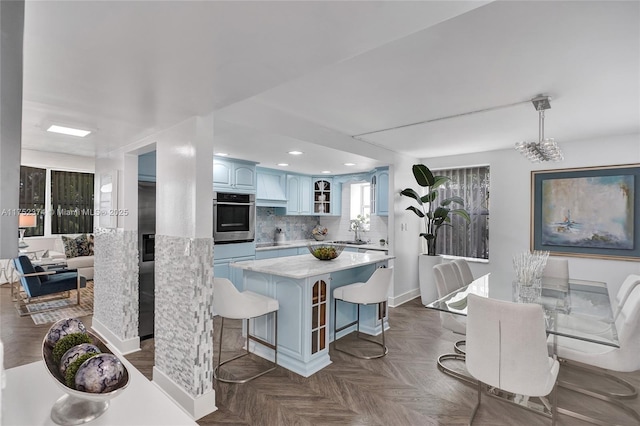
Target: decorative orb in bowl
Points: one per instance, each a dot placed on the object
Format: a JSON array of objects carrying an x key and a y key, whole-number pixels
[
  {"x": 76, "y": 406},
  {"x": 318, "y": 237},
  {"x": 325, "y": 251}
]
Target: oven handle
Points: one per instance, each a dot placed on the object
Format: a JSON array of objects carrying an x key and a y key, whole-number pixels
[{"x": 232, "y": 204}]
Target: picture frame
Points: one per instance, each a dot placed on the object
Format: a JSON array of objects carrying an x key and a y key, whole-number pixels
[{"x": 587, "y": 212}]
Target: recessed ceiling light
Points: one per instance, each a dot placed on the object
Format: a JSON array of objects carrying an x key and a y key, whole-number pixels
[
  {"x": 326, "y": 172},
  {"x": 349, "y": 164},
  {"x": 283, "y": 164},
  {"x": 68, "y": 131},
  {"x": 295, "y": 152},
  {"x": 221, "y": 154}
]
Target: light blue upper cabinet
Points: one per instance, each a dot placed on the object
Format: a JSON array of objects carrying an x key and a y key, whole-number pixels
[
  {"x": 382, "y": 192},
  {"x": 271, "y": 188},
  {"x": 298, "y": 194},
  {"x": 234, "y": 175},
  {"x": 326, "y": 196}
]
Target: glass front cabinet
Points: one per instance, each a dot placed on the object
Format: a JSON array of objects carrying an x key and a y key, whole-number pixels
[{"x": 326, "y": 196}]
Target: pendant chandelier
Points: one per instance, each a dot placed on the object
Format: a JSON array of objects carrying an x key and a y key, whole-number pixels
[{"x": 546, "y": 149}]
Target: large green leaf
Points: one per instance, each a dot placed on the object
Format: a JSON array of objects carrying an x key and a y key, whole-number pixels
[
  {"x": 415, "y": 210},
  {"x": 408, "y": 192},
  {"x": 454, "y": 199},
  {"x": 423, "y": 175},
  {"x": 462, "y": 213}
]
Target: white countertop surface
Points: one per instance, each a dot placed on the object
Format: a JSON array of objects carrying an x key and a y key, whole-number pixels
[
  {"x": 305, "y": 265},
  {"x": 30, "y": 393},
  {"x": 303, "y": 243}
]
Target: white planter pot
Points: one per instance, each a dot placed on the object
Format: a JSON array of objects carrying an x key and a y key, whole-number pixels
[{"x": 428, "y": 290}]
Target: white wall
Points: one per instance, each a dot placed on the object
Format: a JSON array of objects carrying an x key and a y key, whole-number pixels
[
  {"x": 54, "y": 160},
  {"x": 510, "y": 204}
]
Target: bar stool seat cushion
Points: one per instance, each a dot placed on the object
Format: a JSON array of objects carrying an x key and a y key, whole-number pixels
[{"x": 246, "y": 304}]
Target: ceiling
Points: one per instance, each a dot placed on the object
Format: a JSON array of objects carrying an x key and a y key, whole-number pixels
[{"x": 327, "y": 78}]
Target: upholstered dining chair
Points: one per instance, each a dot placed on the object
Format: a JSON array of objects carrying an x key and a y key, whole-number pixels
[
  {"x": 465, "y": 276},
  {"x": 599, "y": 359},
  {"x": 40, "y": 285},
  {"x": 448, "y": 279},
  {"x": 628, "y": 285},
  {"x": 230, "y": 303},
  {"x": 374, "y": 291},
  {"x": 507, "y": 349}
]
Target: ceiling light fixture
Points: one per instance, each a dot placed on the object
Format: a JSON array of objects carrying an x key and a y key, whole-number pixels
[
  {"x": 545, "y": 149},
  {"x": 326, "y": 172},
  {"x": 295, "y": 152},
  {"x": 68, "y": 131},
  {"x": 349, "y": 164},
  {"x": 283, "y": 164},
  {"x": 221, "y": 154}
]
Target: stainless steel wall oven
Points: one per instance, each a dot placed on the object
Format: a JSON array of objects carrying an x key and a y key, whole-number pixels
[{"x": 234, "y": 217}]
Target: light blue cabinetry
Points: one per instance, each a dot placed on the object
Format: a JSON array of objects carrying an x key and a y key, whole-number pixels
[
  {"x": 234, "y": 175},
  {"x": 305, "y": 315},
  {"x": 225, "y": 254},
  {"x": 327, "y": 196},
  {"x": 298, "y": 194},
  {"x": 381, "y": 191},
  {"x": 271, "y": 188}
]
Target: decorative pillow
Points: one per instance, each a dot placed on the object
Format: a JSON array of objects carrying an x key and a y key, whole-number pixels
[
  {"x": 70, "y": 247},
  {"x": 83, "y": 246},
  {"x": 43, "y": 278},
  {"x": 90, "y": 238}
]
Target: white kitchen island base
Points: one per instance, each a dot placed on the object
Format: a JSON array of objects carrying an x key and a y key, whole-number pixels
[{"x": 303, "y": 286}]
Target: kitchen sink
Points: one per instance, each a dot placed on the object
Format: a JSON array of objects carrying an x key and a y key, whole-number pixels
[{"x": 356, "y": 243}]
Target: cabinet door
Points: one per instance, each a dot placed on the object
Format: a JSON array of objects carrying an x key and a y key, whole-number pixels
[
  {"x": 382, "y": 194},
  {"x": 244, "y": 177},
  {"x": 222, "y": 173},
  {"x": 293, "y": 194},
  {"x": 221, "y": 268},
  {"x": 322, "y": 196},
  {"x": 305, "y": 205}
]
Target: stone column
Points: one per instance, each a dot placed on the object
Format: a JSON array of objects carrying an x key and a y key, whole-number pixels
[{"x": 184, "y": 265}]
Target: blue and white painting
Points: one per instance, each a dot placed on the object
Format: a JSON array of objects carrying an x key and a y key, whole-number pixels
[{"x": 590, "y": 212}]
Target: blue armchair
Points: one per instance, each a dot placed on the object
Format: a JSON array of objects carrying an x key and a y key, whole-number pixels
[{"x": 38, "y": 284}]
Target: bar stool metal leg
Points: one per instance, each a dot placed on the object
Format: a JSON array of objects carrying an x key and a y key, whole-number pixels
[
  {"x": 273, "y": 346},
  {"x": 382, "y": 344}
]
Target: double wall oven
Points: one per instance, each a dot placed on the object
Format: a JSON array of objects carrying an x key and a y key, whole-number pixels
[{"x": 234, "y": 217}]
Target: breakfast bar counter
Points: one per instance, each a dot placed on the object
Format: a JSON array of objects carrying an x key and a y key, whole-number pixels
[{"x": 303, "y": 286}]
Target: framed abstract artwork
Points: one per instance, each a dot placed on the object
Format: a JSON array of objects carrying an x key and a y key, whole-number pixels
[{"x": 587, "y": 212}]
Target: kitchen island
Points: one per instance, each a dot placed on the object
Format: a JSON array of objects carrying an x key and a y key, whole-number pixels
[{"x": 303, "y": 286}]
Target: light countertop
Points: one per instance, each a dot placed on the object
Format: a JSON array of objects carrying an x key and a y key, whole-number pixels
[
  {"x": 305, "y": 265},
  {"x": 303, "y": 243}
]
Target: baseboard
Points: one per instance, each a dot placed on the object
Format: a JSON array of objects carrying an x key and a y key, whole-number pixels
[
  {"x": 404, "y": 298},
  {"x": 122, "y": 346},
  {"x": 197, "y": 407}
]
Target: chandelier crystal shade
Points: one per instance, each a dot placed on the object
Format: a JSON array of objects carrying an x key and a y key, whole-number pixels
[{"x": 546, "y": 149}]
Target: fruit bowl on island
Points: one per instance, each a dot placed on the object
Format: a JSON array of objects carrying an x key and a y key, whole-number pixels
[{"x": 325, "y": 251}]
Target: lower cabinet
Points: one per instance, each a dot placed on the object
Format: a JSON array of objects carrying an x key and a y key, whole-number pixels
[{"x": 221, "y": 269}]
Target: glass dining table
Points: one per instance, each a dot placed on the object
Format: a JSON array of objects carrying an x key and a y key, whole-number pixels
[
  {"x": 573, "y": 308},
  {"x": 577, "y": 309}
]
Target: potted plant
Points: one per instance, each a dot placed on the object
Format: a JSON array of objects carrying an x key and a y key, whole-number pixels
[{"x": 435, "y": 216}]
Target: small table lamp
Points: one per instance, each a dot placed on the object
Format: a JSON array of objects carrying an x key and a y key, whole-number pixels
[{"x": 25, "y": 221}]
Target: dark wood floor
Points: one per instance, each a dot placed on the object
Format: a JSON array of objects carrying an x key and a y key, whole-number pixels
[{"x": 403, "y": 388}]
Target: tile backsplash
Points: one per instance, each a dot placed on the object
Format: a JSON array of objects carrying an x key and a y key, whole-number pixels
[{"x": 299, "y": 227}]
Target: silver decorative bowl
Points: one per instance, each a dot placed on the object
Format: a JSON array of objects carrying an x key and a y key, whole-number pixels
[{"x": 78, "y": 407}]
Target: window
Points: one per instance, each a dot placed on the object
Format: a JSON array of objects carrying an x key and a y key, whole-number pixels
[
  {"x": 71, "y": 202},
  {"x": 360, "y": 200},
  {"x": 33, "y": 182},
  {"x": 472, "y": 185}
]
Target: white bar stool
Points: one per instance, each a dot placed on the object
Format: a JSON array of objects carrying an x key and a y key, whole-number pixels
[
  {"x": 230, "y": 303},
  {"x": 375, "y": 290}
]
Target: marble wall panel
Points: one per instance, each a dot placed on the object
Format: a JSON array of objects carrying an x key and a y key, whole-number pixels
[
  {"x": 184, "y": 313},
  {"x": 116, "y": 281}
]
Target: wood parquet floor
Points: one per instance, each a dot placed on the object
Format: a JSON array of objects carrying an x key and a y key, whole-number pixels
[{"x": 403, "y": 388}]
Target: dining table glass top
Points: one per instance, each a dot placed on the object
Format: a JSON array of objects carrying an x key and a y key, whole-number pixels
[{"x": 577, "y": 309}]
